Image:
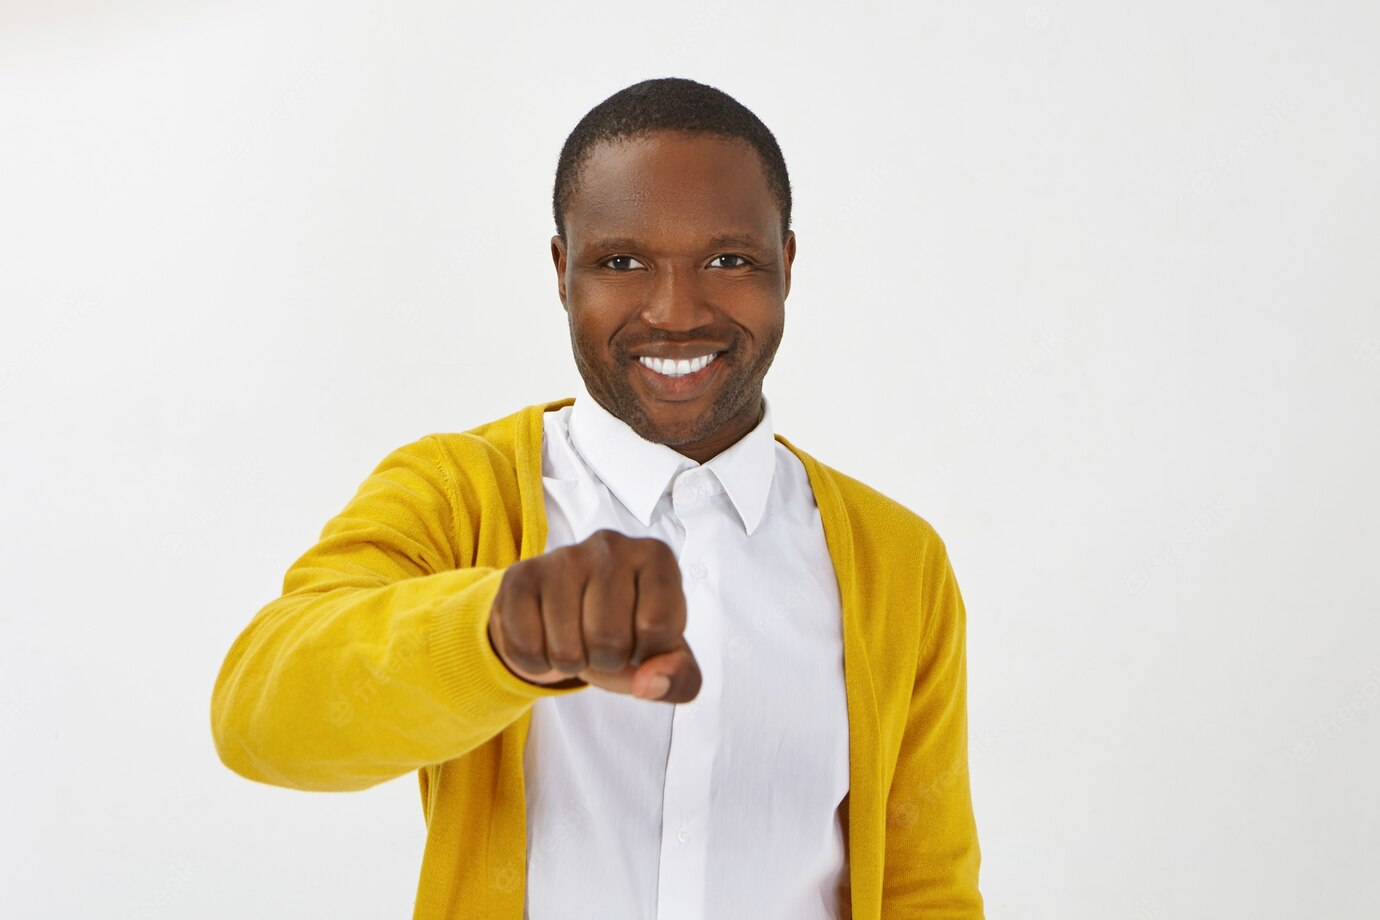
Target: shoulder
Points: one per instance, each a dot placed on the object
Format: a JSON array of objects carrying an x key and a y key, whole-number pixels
[
  {"x": 499, "y": 446},
  {"x": 894, "y": 526}
]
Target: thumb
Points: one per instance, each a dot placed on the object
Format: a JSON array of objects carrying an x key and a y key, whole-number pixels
[{"x": 671, "y": 677}]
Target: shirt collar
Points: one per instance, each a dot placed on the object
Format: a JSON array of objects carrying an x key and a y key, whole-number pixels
[{"x": 638, "y": 472}]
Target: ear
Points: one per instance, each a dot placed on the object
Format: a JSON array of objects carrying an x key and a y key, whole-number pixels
[
  {"x": 558, "y": 257},
  {"x": 788, "y": 256}
]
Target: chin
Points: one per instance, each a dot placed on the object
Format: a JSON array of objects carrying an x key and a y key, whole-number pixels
[{"x": 664, "y": 428}]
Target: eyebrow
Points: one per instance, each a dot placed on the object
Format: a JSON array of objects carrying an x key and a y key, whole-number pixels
[{"x": 741, "y": 240}]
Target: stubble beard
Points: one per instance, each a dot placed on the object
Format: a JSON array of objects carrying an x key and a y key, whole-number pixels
[{"x": 611, "y": 388}]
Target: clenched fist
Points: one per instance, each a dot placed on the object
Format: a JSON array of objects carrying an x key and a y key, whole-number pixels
[{"x": 607, "y": 611}]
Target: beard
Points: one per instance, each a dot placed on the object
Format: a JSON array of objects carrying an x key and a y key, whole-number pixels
[{"x": 736, "y": 393}]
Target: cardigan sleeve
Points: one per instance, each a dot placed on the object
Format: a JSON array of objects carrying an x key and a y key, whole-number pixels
[
  {"x": 932, "y": 854},
  {"x": 375, "y": 661}
]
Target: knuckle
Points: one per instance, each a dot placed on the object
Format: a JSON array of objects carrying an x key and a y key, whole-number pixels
[
  {"x": 518, "y": 581},
  {"x": 606, "y": 642},
  {"x": 656, "y": 632},
  {"x": 519, "y": 642},
  {"x": 661, "y": 578},
  {"x": 523, "y": 649},
  {"x": 561, "y": 567},
  {"x": 533, "y": 663},
  {"x": 605, "y": 539},
  {"x": 571, "y": 664},
  {"x": 657, "y": 550},
  {"x": 588, "y": 554}
]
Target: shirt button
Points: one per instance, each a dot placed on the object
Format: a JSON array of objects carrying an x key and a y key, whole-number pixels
[
  {"x": 698, "y": 570},
  {"x": 683, "y": 834}
]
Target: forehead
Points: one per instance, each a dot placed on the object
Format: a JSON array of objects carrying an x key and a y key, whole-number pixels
[{"x": 671, "y": 185}]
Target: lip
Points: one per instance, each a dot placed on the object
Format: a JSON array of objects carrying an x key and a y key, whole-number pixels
[
  {"x": 683, "y": 351},
  {"x": 677, "y": 389}
]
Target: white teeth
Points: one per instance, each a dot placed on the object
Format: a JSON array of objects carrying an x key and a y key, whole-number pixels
[{"x": 677, "y": 368}]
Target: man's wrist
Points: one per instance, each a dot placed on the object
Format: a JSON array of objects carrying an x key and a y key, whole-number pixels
[{"x": 565, "y": 684}]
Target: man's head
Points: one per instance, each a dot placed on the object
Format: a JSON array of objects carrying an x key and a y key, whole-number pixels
[{"x": 672, "y": 207}]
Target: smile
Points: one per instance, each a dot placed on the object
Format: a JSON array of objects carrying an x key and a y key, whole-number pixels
[
  {"x": 667, "y": 380},
  {"x": 669, "y": 368}
]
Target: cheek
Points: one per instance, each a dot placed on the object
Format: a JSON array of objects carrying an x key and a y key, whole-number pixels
[
  {"x": 592, "y": 333},
  {"x": 763, "y": 315},
  {"x": 602, "y": 297},
  {"x": 601, "y": 310}
]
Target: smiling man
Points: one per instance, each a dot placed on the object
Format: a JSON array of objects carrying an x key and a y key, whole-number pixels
[
  {"x": 674, "y": 245},
  {"x": 647, "y": 657}
]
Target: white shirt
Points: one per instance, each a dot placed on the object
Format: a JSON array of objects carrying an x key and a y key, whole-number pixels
[{"x": 726, "y": 806}]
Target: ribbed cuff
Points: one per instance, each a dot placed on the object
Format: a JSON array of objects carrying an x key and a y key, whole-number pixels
[{"x": 467, "y": 667}]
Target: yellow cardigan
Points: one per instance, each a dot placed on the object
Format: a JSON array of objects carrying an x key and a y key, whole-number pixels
[{"x": 375, "y": 662}]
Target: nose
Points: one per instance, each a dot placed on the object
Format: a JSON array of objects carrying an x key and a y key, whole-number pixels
[{"x": 676, "y": 300}]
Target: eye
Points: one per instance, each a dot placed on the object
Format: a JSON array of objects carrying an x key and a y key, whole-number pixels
[
  {"x": 611, "y": 259},
  {"x": 733, "y": 255}
]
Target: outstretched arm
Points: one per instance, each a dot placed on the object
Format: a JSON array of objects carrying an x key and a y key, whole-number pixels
[{"x": 375, "y": 661}]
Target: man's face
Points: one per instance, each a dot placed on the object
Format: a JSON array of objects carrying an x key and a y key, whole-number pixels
[{"x": 673, "y": 248}]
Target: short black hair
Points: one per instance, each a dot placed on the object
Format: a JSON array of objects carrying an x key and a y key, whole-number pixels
[{"x": 668, "y": 104}]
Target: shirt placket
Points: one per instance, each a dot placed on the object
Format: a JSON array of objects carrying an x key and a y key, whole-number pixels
[{"x": 695, "y": 726}]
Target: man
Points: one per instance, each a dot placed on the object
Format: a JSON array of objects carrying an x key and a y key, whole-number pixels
[{"x": 649, "y": 658}]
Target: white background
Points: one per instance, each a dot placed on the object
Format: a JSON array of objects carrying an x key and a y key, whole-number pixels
[{"x": 1092, "y": 287}]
